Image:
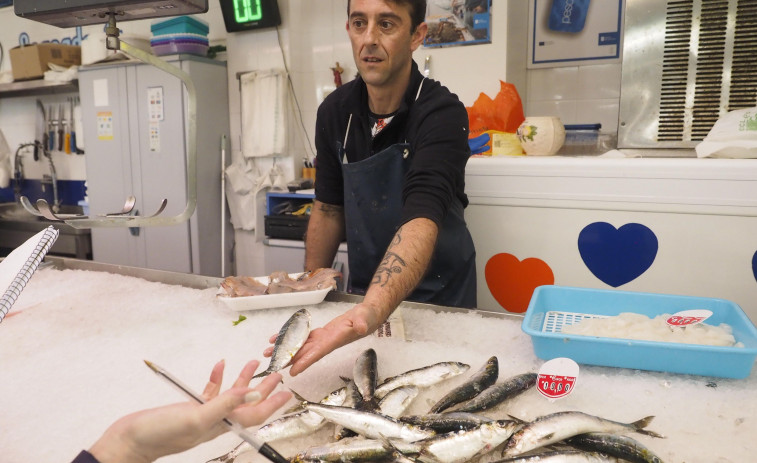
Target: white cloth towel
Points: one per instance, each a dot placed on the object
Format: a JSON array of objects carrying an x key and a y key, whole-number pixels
[
  {"x": 246, "y": 190},
  {"x": 264, "y": 109}
]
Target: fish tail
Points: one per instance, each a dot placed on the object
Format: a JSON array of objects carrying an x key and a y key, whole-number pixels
[
  {"x": 261, "y": 374},
  {"x": 643, "y": 423},
  {"x": 298, "y": 397}
]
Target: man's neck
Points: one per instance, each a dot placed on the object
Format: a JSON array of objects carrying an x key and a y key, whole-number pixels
[{"x": 387, "y": 99}]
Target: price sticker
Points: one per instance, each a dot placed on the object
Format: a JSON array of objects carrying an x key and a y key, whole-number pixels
[
  {"x": 688, "y": 317},
  {"x": 557, "y": 378}
]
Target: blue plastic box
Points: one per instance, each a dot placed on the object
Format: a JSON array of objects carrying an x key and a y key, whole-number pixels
[
  {"x": 180, "y": 25},
  {"x": 553, "y": 306}
]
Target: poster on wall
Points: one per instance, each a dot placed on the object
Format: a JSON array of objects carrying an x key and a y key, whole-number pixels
[
  {"x": 458, "y": 22},
  {"x": 6, "y": 3},
  {"x": 574, "y": 32}
]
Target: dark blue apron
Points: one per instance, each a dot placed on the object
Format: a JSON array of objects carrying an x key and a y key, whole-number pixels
[{"x": 372, "y": 210}]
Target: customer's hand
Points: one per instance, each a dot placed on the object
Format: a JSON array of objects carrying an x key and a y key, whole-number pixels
[
  {"x": 359, "y": 321},
  {"x": 150, "y": 434}
]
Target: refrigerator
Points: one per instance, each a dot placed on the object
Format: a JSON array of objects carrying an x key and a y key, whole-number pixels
[{"x": 134, "y": 119}]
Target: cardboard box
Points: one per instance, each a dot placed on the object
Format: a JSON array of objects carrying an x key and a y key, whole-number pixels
[{"x": 30, "y": 62}]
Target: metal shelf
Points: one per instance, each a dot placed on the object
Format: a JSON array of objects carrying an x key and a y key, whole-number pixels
[{"x": 37, "y": 87}]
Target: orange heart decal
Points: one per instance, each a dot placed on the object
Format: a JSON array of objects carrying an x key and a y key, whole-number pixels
[{"x": 512, "y": 282}]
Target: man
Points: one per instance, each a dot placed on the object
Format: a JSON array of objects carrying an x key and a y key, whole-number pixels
[{"x": 391, "y": 154}]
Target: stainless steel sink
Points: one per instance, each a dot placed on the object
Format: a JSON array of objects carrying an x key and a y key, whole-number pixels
[{"x": 18, "y": 225}]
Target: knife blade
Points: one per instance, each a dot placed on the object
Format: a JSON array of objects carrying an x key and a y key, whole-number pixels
[{"x": 427, "y": 67}]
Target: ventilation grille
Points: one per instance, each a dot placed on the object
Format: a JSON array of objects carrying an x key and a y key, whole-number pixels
[
  {"x": 697, "y": 63},
  {"x": 717, "y": 87}
]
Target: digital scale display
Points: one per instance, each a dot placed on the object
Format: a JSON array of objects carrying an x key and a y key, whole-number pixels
[{"x": 243, "y": 15}]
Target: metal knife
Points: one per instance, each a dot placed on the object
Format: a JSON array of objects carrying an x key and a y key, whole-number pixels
[
  {"x": 426, "y": 67},
  {"x": 41, "y": 133}
]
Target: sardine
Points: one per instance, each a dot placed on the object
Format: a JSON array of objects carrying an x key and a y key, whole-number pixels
[
  {"x": 356, "y": 448},
  {"x": 294, "y": 425},
  {"x": 353, "y": 398},
  {"x": 396, "y": 401},
  {"x": 463, "y": 446},
  {"x": 364, "y": 373},
  {"x": 422, "y": 377},
  {"x": 623, "y": 447},
  {"x": 567, "y": 456},
  {"x": 289, "y": 340},
  {"x": 447, "y": 422},
  {"x": 484, "y": 378},
  {"x": 498, "y": 393},
  {"x": 300, "y": 423},
  {"x": 372, "y": 425},
  {"x": 556, "y": 427}
]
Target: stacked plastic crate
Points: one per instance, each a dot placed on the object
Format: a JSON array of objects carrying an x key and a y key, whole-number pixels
[{"x": 183, "y": 34}]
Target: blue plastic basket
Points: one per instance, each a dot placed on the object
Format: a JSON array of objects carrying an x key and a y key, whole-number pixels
[
  {"x": 552, "y": 307},
  {"x": 180, "y": 25}
]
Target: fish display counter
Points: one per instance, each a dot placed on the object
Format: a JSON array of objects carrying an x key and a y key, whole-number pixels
[{"x": 74, "y": 344}]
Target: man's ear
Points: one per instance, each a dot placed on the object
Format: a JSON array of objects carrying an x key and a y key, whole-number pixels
[
  {"x": 347, "y": 25},
  {"x": 419, "y": 36}
]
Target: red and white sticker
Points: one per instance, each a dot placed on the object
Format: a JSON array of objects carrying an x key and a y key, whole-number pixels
[
  {"x": 557, "y": 378},
  {"x": 688, "y": 317}
]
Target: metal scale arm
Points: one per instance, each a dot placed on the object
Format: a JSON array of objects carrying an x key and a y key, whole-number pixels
[{"x": 123, "y": 218}]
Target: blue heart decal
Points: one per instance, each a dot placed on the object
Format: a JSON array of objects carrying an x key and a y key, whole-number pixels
[
  {"x": 617, "y": 256},
  {"x": 754, "y": 265}
]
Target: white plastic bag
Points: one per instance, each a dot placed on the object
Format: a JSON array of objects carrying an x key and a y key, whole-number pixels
[{"x": 733, "y": 136}]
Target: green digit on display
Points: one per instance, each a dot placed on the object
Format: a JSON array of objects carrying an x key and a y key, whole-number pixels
[{"x": 247, "y": 10}]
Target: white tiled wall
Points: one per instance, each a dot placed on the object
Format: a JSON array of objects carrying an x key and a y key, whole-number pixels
[{"x": 577, "y": 94}]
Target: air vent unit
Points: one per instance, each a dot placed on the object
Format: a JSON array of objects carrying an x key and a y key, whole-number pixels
[{"x": 685, "y": 64}]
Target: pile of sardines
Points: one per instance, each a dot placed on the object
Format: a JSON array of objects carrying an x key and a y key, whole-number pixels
[{"x": 370, "y": 425}]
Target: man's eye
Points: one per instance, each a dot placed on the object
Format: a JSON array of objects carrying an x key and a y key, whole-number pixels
[
  {"x": 358, "y": 23},
  {"x": 386, "y": 24}
]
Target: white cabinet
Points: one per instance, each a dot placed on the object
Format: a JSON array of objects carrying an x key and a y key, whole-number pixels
[{"x": 135, "y": 135}]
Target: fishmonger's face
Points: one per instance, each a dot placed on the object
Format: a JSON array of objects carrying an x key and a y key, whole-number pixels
[{"x": 382, "y": 41}]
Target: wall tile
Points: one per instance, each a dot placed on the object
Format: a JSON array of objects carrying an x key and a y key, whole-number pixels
[
  {"x": 553, "y": 84},
  {"x": 564, "y": 109},
  {"x": 599, "y": 81}
]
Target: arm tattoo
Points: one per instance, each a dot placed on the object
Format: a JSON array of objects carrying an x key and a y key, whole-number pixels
[
  {"x": 330, "y": 210},
  {"x": 391, "y": 263}
]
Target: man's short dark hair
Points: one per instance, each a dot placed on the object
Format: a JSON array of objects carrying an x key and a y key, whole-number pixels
[{"x": 417, "y": 11}]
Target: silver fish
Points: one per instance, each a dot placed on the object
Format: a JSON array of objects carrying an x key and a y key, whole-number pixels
[
  {"x": 289, "y": 340},
  {"x": 422, "y": 377},
  {"x": 463, "y": 446},
  {"x": 556, "y": 427},
  {"x": 294, "y": 425},
  {"x": 364, "y": 373},
  {"x": 396, "y": 402},
  {"x": 372, "y": 425},
  {"x": 567, "y": 456},
  {"x": 484, "y": 378},
  {"x": 447, "y": 422},
  {"x": 300, "y": 423},
  {"x": 498, "y": 393},
  {"x": 353, "y": 398},
  {"x": 356, "y": 448},
  {"x": 623, "y": 447}
]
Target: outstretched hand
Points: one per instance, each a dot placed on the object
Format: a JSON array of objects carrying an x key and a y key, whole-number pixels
[
  {"x": 356, "y": 323},
  {"x": 150, "y": 434}
]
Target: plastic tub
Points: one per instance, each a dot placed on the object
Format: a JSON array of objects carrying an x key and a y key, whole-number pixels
[
  {"x": 553, "y": 306},
  {"x": 179, "y": 25},
  {"x": 179, "y": 46}
]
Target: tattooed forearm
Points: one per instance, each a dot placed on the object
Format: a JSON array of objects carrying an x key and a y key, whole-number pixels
[
  {"x": 392, "y": 263},
  {"x": 330, "y": 210}
]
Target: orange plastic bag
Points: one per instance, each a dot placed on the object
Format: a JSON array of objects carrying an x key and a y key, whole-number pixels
[{"x": 504, "y": 113}]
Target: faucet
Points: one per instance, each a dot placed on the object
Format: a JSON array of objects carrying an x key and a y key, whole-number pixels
[{"x": 18, "y": 173}]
